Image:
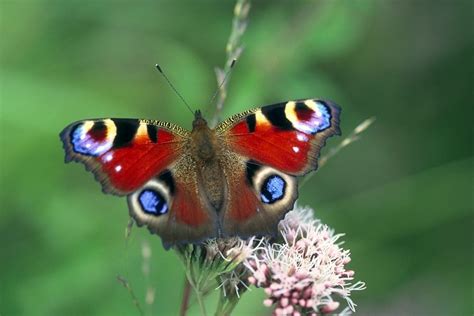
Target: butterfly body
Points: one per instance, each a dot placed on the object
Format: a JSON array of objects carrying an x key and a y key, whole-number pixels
[{"x": 236, "y": 179}]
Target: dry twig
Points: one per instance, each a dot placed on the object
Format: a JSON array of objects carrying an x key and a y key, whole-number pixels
[{"x": 233, "y": 50}]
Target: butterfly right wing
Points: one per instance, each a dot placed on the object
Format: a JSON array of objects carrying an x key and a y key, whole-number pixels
[
  {"x": 271, "y": 145},
  {"x": 287, "y": 136}
]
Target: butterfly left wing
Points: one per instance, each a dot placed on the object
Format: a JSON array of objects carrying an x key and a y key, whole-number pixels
[
  {"x": 147, "y": 161},
  {"x": 272, "y": 145}
]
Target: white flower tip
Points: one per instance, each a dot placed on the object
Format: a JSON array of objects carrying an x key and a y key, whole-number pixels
[{"x": 268, "y": 302}]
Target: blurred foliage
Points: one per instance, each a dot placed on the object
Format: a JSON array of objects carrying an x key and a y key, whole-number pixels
[{"x": 402, "y": 195}]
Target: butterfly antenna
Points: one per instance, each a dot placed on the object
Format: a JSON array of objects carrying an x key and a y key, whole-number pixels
[
  {"x": 174, "y": 89},
  {"x": 223, "y": 80}
]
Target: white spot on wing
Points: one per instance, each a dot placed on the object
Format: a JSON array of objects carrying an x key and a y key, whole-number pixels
[
  {"x": 108, "y": 157},
  {"x": 118, "y": 168},
  {"x": 302, "y": 137},
  {"x": 296, "y": 149}
]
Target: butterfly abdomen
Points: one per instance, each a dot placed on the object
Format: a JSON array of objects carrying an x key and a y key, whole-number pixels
[{"x": 213, "y": 184}]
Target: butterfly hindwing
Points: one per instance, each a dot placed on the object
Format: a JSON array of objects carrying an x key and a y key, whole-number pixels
[
  {"x": 172, "y": 206},
  {"x": 258, "y": 198},
  {"x": 123, "y": 153}
]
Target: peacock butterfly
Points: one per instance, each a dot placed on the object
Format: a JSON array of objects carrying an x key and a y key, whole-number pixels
[{"x": 238, "y": 179}]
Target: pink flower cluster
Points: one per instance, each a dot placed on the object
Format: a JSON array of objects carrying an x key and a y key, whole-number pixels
[{"x": 303, "y": 275}]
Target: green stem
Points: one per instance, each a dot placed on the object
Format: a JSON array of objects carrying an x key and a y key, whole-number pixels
[
  {"x": 229, "y": 307},
  {"x": 199, "y": 298},
  {"x": 192, "y": 281},
  {"x": 220, "y": 304}
]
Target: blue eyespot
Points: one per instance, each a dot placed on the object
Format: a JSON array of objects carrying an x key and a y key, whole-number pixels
[
  {"x": 273, "y": 189},
  {"x": 83, "y": 143},
  {"x": 313, "y": 119},
  {"x": 152, "y": 202},
  {"x": 325, "y": 119}
]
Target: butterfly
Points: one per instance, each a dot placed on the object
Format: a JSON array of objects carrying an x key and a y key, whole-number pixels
[{"x": 238, "y": 179}]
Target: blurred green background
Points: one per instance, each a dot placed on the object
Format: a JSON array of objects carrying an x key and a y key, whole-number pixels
[{"x": 402, "y": 194}]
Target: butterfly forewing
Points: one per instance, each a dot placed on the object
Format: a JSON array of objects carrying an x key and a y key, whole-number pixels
[
  {"x": 287, "y": 136},
  {"x": 123, "y": 153}
]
